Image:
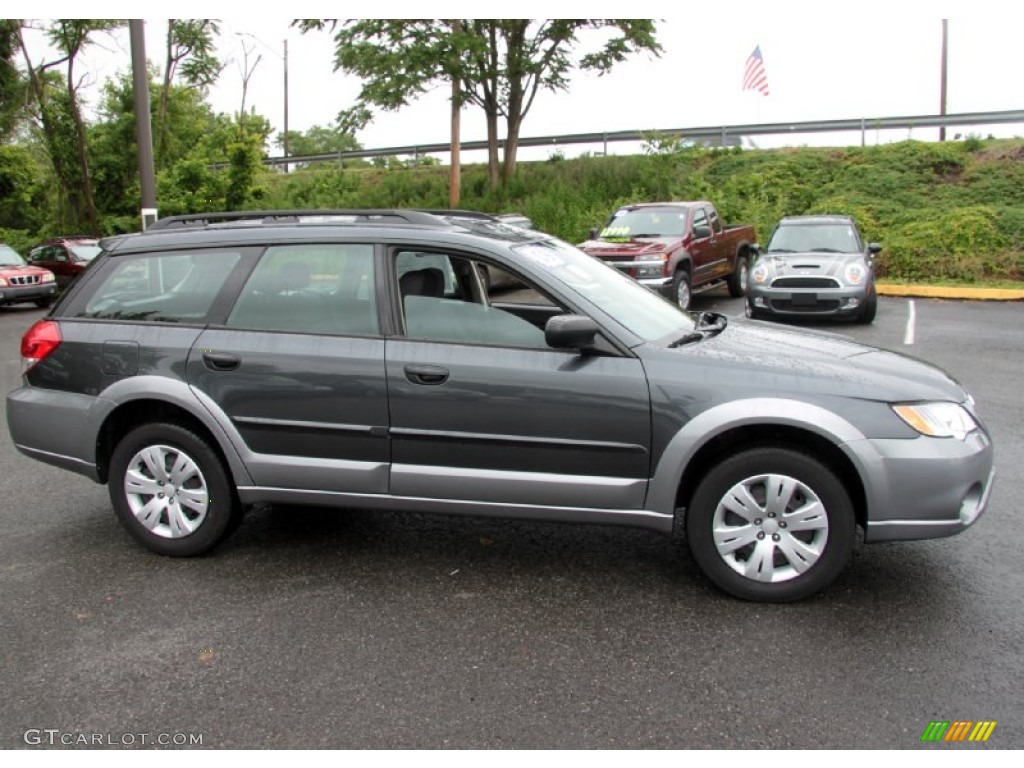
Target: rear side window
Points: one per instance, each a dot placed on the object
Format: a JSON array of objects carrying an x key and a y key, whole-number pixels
[
  {"x": 315, "y": 289},
  {"x": 169, "y": 287}
]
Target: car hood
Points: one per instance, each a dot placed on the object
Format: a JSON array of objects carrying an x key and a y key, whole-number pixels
[
  {"x": 811, "y": 264},
  {"x": 771, "y": 359},
  {"x": 17, "y": 270},
  {"x": 603, "y": 249}
]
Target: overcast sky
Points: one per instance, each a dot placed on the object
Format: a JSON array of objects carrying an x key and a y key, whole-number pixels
[{"x": 855, "y": 61}]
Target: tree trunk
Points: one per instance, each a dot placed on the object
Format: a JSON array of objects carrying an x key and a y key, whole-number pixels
[
  {"x": 87, "y": 211},
  {"x": 493, "y": 167}
]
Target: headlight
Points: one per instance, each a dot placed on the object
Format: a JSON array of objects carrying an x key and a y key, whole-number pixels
[
  {"x": 855, "y": 274},
  {"x": 653, "y": 271},
  {"x": 3, "y": 283},
  {"x": 47, "y": 277},
  {"x": 761, "y": 273},
  {"x": 937, "y": 419}
]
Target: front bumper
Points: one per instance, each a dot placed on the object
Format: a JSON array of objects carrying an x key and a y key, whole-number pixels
[
  {"x": 924, "y": 488},
  {"x": 13, "y": 294},
  {"x": 807, "y": 301}
]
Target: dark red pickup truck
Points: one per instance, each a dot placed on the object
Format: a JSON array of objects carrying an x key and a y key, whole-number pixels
[{"x": 676, "y": 249}]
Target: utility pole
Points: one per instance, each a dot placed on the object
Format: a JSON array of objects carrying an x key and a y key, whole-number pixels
[
  {"x": 455, "y": 191},
  {"x": 942, "y": 98},
  {"x": 286, "y": 104},
  {"x": 143, "y": 121}
]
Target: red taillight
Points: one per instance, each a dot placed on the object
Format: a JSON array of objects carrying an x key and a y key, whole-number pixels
[{"x": 38, "y": 342}]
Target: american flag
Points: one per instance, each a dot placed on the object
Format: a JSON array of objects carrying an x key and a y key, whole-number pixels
[{"x": 755, "y": 78}]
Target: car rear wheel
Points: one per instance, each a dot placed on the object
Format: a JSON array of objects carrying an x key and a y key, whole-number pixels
[
  {"x": 171, "y": 491},
  {"x": 737, "y": 281},
  {"x": 770, "y": 524}
]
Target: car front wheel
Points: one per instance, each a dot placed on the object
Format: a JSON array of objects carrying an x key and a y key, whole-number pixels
[
  {"x": 771, "y": 524},
  {"x": 681, "y": 289},
  {"x": 171, "y": 491}
]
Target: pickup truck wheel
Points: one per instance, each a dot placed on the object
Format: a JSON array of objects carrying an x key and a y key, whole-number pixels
[
  {"x": 171, "y": 491},
  {"x": 681, "y": 289},
  {"x": 770, "y": 524},
  {"x": 737, "y": 281}
]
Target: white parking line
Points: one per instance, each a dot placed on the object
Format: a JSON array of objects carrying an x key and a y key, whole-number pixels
[{"x": 908, "y": 337}]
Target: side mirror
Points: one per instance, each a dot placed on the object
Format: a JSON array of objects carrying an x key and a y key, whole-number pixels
[
  {"x": 701, "y": 233},
  {"x": 874, "y": 248},
  {"x": 570, "y": 332},
  {"x": 592, "y": 233}
]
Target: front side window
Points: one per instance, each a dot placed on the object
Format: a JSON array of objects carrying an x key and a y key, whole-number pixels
[
  {"x": 444, "y": 297},
  {"x": 162, "y": 287},
  {"x": 640, "y": 310},
  {"x": 316, "y": 289}
]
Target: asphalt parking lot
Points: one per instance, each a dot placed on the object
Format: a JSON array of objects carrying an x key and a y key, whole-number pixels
[{"x": 346, "y": 629}]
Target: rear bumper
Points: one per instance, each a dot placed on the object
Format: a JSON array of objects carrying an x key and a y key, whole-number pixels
[{"x": 53, "y": 427}]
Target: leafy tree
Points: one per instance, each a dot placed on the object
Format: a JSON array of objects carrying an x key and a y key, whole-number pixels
[
  {"x": 502, "y": 64},
  {"x": 318, "y": 140},
  {"x": 191, "y": 57},
  {"x": 12, "y": 84},
  {"x": 60, "y": 115},
  {"x": 113, "y": 141}
]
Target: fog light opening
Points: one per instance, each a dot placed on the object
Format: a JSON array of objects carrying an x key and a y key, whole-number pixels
[{"x": 970, "y": 507}]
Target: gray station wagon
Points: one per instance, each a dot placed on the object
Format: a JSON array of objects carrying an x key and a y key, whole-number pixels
[{"x": 356, "y": 359}]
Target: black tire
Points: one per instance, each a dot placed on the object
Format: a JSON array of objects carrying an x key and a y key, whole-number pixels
[
  {"x": 44, "y": 303},
  {"x": 737, "y": 281},
  {"x": 767, "y": 545},
  {"x": 168, "y": 534},
  {"x": 682, "y": 295},
  {"x": 870, "y": 308},
  {"x": 752, "y": 312}
]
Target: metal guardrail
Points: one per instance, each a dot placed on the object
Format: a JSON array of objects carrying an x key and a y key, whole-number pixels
[{"x": 711, "y": 133}]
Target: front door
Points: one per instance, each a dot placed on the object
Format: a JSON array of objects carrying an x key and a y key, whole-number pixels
[{"x": 483, "y": 410}]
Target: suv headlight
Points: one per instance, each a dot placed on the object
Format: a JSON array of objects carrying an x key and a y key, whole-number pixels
[
  {"x": 855, "y": 273},
  {"x": 761, "y": 273},
  {"x": 937, "y": 419}
]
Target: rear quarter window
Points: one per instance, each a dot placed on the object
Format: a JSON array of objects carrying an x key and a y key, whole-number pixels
[{"x": 168, "y": 287}]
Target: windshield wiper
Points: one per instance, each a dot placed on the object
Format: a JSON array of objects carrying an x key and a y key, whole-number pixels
[
  {"x": 780, "y": 250},
  {"x": 827, "y": 250}
]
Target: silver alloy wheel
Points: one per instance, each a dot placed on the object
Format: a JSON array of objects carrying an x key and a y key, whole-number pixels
[
  {"x": 744, "y": 274},
  {"x": 683, "y": 292},
  {"x": 770, "y": 528},
  {"x": 166, "y": 491}
]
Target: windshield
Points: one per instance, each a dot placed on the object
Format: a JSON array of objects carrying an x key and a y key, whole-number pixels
[
  {"x": 668, "y": 221},
  {"x": 9, "y": 257},
  {"x": 645, "y": 314},
  {"x": 799, "y": 238},
  {"x": 85, "y": 252}
]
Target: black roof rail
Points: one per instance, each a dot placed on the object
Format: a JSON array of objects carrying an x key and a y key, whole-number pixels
[{"x": 327, "y": 216}]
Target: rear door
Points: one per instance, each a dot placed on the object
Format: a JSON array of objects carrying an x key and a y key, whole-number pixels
[
  {"x": 297, "y": 365},
  {"x": 483, "y": 410}
]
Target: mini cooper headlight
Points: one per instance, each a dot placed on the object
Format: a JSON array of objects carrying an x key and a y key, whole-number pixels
[
  {"x": 761, "y": 273},
  {"x": 855, "y": 273},
  {"x": 937, "y": 419}
]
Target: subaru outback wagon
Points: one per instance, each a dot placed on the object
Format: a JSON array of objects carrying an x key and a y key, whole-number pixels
[{"x": 355, "y": 359}]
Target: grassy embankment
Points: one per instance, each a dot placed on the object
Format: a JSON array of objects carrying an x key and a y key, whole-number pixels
[{"x": 949, "y": 213}]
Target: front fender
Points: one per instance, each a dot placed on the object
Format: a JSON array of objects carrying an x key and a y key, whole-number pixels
[{"x": 761, "y": 411}]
